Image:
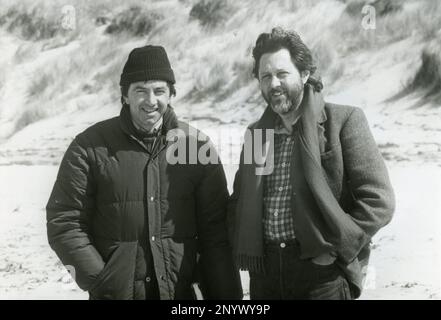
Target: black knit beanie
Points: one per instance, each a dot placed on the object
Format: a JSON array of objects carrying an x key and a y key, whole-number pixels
[{"x": 147, "y": 63}]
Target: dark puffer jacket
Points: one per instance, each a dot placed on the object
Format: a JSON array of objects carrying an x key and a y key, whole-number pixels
[{"x": 128, "y": 221}]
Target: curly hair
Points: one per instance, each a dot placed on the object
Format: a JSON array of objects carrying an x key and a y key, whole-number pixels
[{"x": 300, "y": 53}]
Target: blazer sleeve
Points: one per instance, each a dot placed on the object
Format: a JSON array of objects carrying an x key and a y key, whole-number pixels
[
  {"x": 368, "y": 180},
  {"x": 68, "y": 213}
]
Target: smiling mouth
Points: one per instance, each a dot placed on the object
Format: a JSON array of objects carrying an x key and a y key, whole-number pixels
[
  {"x": 148, "y": 111},
  {"x": 276, "y": 98},
  {"x": 276, "y": 94}
]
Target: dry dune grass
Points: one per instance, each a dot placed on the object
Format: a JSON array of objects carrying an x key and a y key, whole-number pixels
[
  {"x": 425, "y": 84},
  {"x": 428, "y": 77},
  {"x": 209, "y": 43}
]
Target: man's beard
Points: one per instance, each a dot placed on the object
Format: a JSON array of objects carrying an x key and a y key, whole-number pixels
[{"x": 287, "y": 101}]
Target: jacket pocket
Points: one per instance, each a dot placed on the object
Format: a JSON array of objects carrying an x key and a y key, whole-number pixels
[
  {"x": 116, "y": 280},
  {"x": 330, "y": 152},
  {"x": 332, "y": 164}
]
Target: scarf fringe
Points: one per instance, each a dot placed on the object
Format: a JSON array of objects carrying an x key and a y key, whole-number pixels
[{"x": 250, "y": 263}]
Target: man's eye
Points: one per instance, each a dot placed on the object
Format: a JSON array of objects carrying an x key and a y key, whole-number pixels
[
  {"x": 282, "y": 74},
  {"x": 159, "y": 92}
]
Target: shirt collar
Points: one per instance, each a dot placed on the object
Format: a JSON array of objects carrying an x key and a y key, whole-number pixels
[
  {"x": 279, "y": 127},
  {"x": 157, "y": 127}
]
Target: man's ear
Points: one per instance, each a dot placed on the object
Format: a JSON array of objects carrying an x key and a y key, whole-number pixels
[
  {"x": 305, "y": 75},
  {"x": 125, "y": 99}
]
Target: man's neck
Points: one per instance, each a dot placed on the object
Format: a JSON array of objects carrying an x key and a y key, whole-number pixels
[{"x": 290, "y": 119}]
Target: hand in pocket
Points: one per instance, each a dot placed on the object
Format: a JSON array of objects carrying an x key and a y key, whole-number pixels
[
  {"x": 325, "y": 259},
  {"x": 115, "y": 281}
]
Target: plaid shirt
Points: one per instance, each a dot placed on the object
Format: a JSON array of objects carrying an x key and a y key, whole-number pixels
[{"x": 278, "y": 220}]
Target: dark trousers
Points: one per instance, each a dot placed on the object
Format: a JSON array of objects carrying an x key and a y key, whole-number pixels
[{"x": 288, "y": 277}]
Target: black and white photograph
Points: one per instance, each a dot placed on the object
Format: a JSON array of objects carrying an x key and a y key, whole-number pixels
[{"x": 220, "y": 150}]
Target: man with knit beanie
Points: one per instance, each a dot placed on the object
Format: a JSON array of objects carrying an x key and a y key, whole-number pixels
[{"x": 129, "y": 223}]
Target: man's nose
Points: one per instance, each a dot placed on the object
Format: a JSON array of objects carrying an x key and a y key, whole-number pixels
[
  {"x": 150, "y": 99},
  {"x": 275, "y": 82}
]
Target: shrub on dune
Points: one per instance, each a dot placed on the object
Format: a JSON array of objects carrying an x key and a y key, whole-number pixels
[
  {"x": 382, "y": 7},
  {"x": 31, "y": 24},
  {"x": 428, "y": 77},
  {"x": 211, "y": 13},
  {"x": 135, "y": 21}
]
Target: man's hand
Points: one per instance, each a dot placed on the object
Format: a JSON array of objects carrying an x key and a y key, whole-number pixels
[{"x": 324, "y": 259}]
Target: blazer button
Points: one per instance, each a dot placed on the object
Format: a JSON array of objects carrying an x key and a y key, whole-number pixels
[{"x": 147, "y": 279}]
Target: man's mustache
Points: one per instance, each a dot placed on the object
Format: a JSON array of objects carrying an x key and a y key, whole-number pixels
[{"x": 277, "y": 90}]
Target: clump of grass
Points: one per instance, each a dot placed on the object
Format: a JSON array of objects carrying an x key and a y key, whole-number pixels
[
  {"x": 71, "y": 76},
  {"x": 35, "y": 23},
  {"x": 39, "y": 85},
  {"x": 387, "y": 28},
  {"x": 329, "y": 64},
  {"x": 39, "y": 92},
  {"x": 382, "y": 7},
  {"x": 102, "y": 20},
  {"x": 386, "y": 7},
  {"x": 108, "y": 75},
  {"x": 354, "y": 8},
  {"x": 30, "y": 116},
  {"x": 427, "y": 80},
  {"x": 422, "y": 22},
  {"x": 428, "y": 77},
  {"x": 136, "y": 21},
  {"x": 242, "y": 76},
  {"x": 211, "y": 13},
  {"x": 209, "y": 80}
]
